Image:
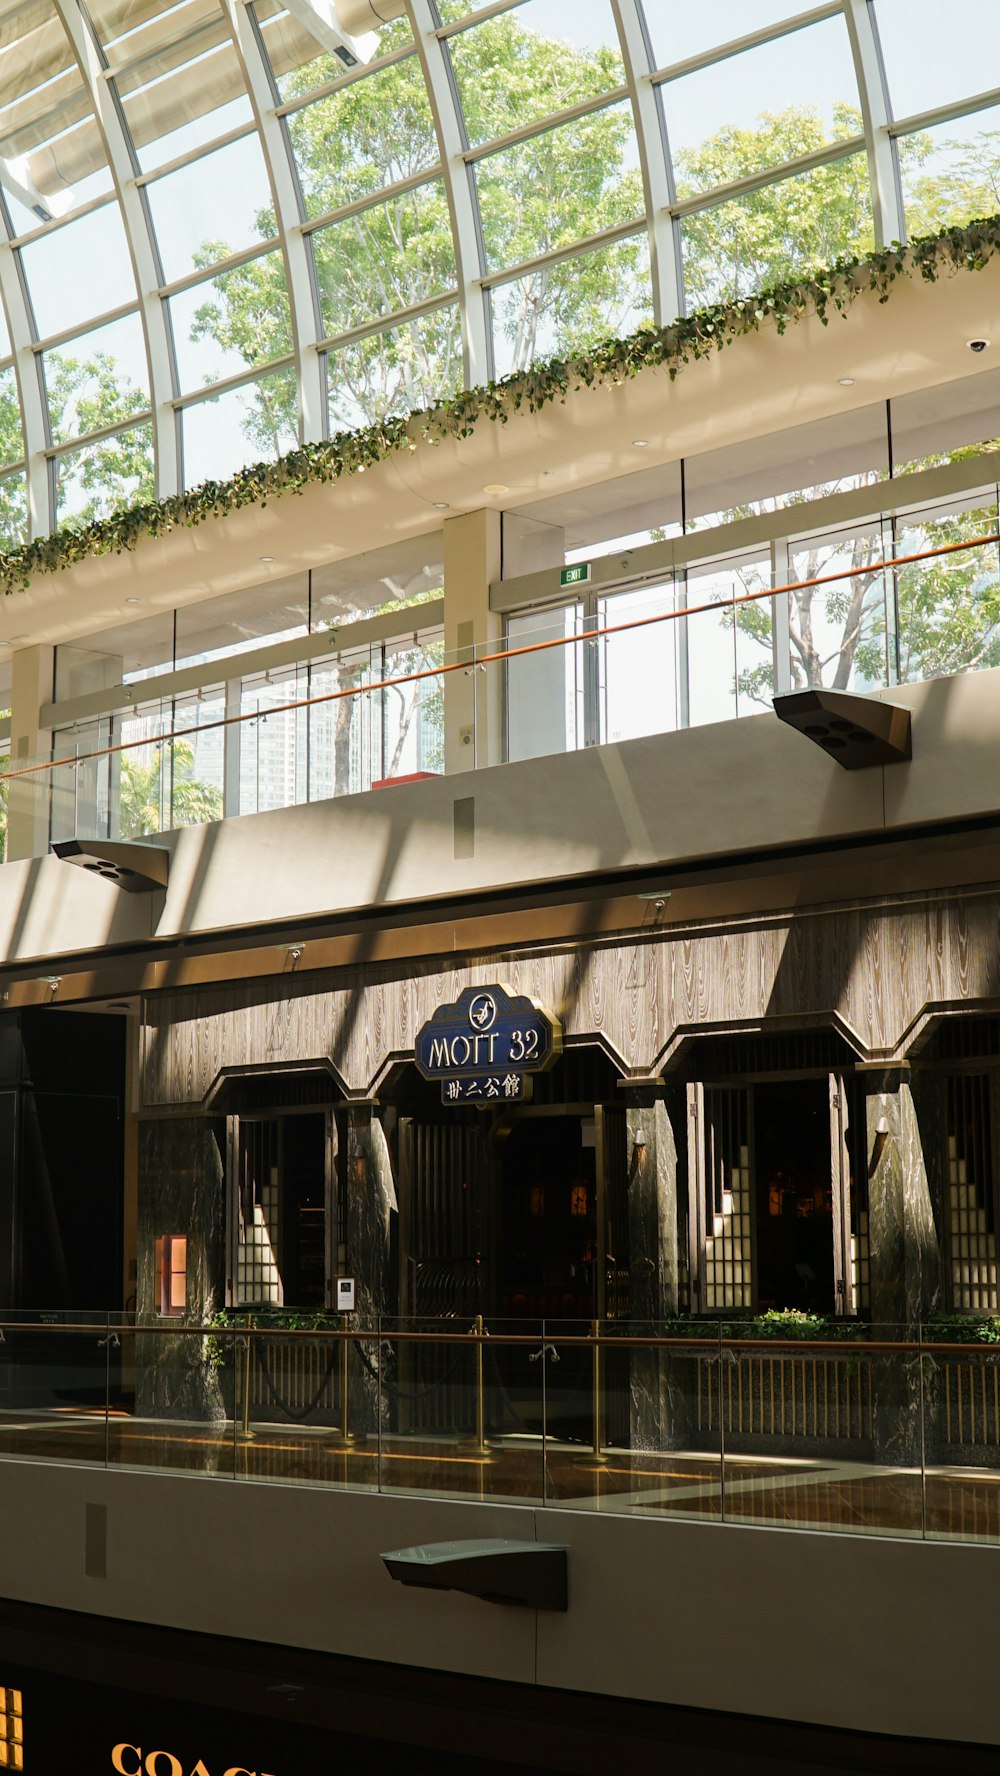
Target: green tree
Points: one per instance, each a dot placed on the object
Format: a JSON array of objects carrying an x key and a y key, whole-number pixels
[
  {"x": 163, "y": 782},
  {"x": 535, "y": 198}
]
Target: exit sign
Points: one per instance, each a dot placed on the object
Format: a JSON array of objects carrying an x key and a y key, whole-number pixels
[{"x": 577, "y": 575}]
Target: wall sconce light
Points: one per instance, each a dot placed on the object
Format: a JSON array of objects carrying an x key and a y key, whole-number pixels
[
  {"x": 855, "y": 731},
  {"x": 293, "y": 951},
  {"x": 639, "y": 1141},
  {"x": 52, "y": 981}
]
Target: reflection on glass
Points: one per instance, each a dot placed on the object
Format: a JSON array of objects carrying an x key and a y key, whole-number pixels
[
  {"x": 385, "y": 258},
  {"x": 244, "y": 425},
  {"x": 949, "y": 606},
  {"x": 371, "y": 133},
  {"x": 559, "y": 187},
  {"x": 300, "y": 67},
  {"x": 933, "y": 423},
  {"x": 197, "y": 760},
  {"x": 545, "y": 690},
  {"x": 97, "y": 379},
  {"x": 213, "y": 207},
  {"x": 178, "y": 76},
  {"x": 951, "y": 173},
  {"x": 402, "y": 370},
  {"x": 931, "y": 62},
  {"x": 826, "y": 456},
  {"x": 839, "y": 632},
  {"x": 531, "y": 62},
  {"x": 238, "y": 318},
  {"x": 738, "y": 248},
  {"x": 258, "y": 617},
  {"x": 95, "y": 248},
  {"x": 103, "y": 477},
  {"x": 560, "y": 308}
]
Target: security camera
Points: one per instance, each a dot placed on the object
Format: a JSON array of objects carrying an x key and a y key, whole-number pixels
[{"x": 977, "y": 345}]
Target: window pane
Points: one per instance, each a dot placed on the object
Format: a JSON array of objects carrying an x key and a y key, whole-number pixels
[
  {"x": 97, "y": 379},
  {"x": 239, "y": 318},
  {"x": 11, "y": 437},
  {"x": 47, "y": 127},
  {"x": 951, "y": 174},
  {"x": 374, "y": 132},
  {"x": 101, "y": 478},
  {"x": 744, "y": 246},
  {"x": 183, "y": 85},
  {"x": 196, "y": 760},
  {"x": 559, "y": 187},
  {"x": 764, "y": 107},
  {"x": 730, "y": 666},
  {"x": 560, "y": 308},
  {"x": 403, "y": 370},
  {"x": 13, "y": 509},
  {"x": 545, "y": 689},
  {"x": 526, "y": 64},
  {"x": 949, "y": 607},
  {"x": 299, "y": 65},
  {"x": 387, "y": 258},
  {"x": 802, "y": 462},
  {"x": 143, "y": 785},
  {"x": 931, "y": 59},
  {"x": 78, "y": 271},
  {"x": 245, "y": 425},
  {"x": 644, "y": 507},
  {"x": 274, "y": 612},
  {"x": 216, "y": 206},
  {"x": 639, "y": 685},
  {"x": 841, "y": 633},
  {"x": 678, "y": 30},
  {"x": 929, "y": 425},
  {"x": 412, "y": 714},
  {"x": 274, "y": 750}
]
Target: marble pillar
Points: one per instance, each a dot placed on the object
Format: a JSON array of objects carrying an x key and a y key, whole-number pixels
[
  {"x": 904, "y": 1257},
  {"x": 656, "y": 1403},
  {"x": 368, "y": 1207},
  {"x": 181, "y": 1191}
]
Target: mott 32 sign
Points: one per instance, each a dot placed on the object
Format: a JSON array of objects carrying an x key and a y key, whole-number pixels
[{"x": 485, "y": 1046}]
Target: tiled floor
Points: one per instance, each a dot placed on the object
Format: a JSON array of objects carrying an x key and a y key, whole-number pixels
[{"x": 858, "y": 1497}]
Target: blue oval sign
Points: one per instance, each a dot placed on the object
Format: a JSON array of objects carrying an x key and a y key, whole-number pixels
[{"x": 487, "y": 1031}]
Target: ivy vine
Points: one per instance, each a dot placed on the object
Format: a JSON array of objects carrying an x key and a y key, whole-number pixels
[{"x": 611, "y": 363}]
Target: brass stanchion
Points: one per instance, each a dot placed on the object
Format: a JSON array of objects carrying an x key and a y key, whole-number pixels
[
  {"x": 478, "y": 1444},
  {"x": 596, "y": 1457},
  {"x": 342, "y": 1435},
  {"x": 246, "y": 1434}
]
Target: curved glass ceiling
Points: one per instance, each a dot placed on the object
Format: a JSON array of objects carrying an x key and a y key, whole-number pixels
[{"x": 222, "y": 230}]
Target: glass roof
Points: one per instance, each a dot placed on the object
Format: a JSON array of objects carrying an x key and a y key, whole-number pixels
[{"x": 228, "y": 226}]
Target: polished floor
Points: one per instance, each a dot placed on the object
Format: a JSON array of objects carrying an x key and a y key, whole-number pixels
[{"x": 852, "y": 1496}]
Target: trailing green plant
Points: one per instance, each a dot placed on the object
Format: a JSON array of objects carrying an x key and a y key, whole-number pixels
[
  {"x": 265, "y": 1319},
  {"x": 615, "y": 361},
  {"x": 952, "y": 1328}
]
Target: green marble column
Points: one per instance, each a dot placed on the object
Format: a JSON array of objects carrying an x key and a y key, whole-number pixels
[
  {"x": 656, "y": 1405},
  {"x": 369, "y": 1203},
  {"x": 904, "y": 1257},
  {"x": 181, "y": 1191}
]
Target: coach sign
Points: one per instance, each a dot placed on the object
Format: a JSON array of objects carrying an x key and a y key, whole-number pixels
[{"x": 488, "y": 1039}]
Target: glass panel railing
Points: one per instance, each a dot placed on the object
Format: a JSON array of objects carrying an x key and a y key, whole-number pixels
[
  {"x": 870, "y": 1432},
  {"x": 713, "y": 646}
]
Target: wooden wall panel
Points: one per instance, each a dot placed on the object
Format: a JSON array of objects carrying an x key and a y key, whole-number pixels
[{"x": 876, "y": 968}]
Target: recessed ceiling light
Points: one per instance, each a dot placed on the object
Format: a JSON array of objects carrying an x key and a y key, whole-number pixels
[
  {"x": 846, "y": 382},
  {"x": 267, "y": 557},
  {"x": 441, "y": 506},
  {"x": 496, "y": 487},
  {"x": 131, "y": 601},
  {"x": 640, "y": 443}
]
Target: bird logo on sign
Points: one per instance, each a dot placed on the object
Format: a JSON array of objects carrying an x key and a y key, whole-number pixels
[{"x": 483, "y": 1011}]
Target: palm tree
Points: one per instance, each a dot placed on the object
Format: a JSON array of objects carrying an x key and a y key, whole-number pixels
[{"x": 164, "y": 785}]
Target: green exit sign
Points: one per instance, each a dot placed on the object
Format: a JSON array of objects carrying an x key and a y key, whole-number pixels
[{"x": 577, "y": 575}]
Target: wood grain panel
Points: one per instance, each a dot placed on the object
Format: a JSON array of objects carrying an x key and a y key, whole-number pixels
[{"x": 877, "y": 968}]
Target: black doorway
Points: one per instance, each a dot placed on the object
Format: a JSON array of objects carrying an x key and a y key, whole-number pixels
[
  {"x": 549, "y": 1219},
  {"x": 794, "y": 1207}
]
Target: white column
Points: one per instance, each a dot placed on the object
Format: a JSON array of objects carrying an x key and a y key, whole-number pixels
[
  {"x": 654, "y": 159},
  {"x": 473, "y": 698},
  {"x": 883, "y": 168}
]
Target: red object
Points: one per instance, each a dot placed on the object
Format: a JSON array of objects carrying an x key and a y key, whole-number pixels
[{"x": 414, "y": 777}]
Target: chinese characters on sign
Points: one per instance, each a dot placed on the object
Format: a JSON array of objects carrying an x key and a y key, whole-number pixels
[{"x": 485, "y": 1047}]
